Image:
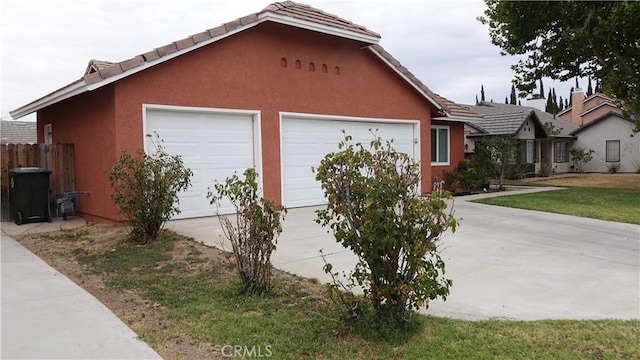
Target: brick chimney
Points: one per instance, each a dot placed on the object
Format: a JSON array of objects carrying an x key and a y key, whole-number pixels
[{"x": 577, "y": 106}]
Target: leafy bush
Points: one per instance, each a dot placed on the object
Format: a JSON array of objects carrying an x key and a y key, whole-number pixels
[
  {"x": 254, "y": 234},
  {"x": 375, "y": 210},
  {"x": 614, "y": 168},
  {"x": 580, "y": 158},
  {"x": 545, "y": 169},
  {"x": 470, "y": 174},
  {"x": 146, "y": 188}
]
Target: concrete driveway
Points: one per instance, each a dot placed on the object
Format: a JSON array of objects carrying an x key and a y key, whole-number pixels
[{"x": 505, "y": 263}]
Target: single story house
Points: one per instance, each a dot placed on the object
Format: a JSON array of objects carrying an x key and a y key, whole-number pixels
[
  {"x": 613, "y": 141},
  {"x": 544, "y": 139},
  {"x": 271, "y": 90}
]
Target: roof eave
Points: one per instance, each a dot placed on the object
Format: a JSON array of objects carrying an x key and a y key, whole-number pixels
[
  {"x": 454, "y": 118},
  {"x": 73, "y": 89},
  {"x": 308, "y": 25}
]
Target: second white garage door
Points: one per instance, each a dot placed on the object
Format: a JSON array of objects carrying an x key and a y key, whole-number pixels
[
  {"x": 213, "y": 144},
  {"x": 306, "y": 140}
]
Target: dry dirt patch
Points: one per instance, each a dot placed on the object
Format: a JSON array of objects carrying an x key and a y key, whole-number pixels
[{"x": 595, "y": 180}]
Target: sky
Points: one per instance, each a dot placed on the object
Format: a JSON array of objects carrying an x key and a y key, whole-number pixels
[{"x": 47, "y": 44}]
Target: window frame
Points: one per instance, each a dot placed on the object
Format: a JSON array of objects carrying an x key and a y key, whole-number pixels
[
  {"x": 437, "y": 145},
  {"x": 606, "y": 149},
  {"x": 556, "y": 153}
]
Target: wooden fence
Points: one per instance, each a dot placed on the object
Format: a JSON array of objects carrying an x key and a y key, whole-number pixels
[{"x": 58, "y": 158}]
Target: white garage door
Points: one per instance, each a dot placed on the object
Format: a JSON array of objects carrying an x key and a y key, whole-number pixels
[
  {"x": 213, "y": 145},
  {"x": 306, "y": 141}
]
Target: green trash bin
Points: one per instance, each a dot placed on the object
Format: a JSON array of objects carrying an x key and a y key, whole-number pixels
[{"x": 29, "y": 195}]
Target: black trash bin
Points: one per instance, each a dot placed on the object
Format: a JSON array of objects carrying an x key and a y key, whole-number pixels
[{"x": 29, "y": 195}]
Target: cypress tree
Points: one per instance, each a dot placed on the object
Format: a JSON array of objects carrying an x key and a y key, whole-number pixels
[
  {"x": 554, "y": 101},
  {"x": 506, "y": 100},
  {"x": 541, "y": 88},
  {"x": 560, "y": 104},
  {"x": 589, "y": 88},
  {"x": 514, "y": 98},
  {"x": 482, "y": 92}
]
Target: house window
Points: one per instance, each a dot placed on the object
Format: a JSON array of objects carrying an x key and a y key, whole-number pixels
[
  {"x": 560, "y": 152},
  {"x": 613, "y": 150},
  {"x": 526, "y": 151},
  {"x": 440, "y": 145}
]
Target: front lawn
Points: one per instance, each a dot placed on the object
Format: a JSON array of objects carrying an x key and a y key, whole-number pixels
[
  {"x": 181, "y": 297},
  {"x": 621, "y": 205}
]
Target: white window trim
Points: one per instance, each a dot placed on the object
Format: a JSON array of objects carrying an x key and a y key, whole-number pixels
[{"x": 448, "y": 162}]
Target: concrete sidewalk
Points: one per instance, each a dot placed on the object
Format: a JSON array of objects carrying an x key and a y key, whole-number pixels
[
  {"x": 505, "y": 263},
  {"x": 47, "y": 316}
]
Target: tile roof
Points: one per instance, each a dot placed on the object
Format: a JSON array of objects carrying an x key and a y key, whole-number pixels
[
  {"x": 306, "y": 12},
  {"x": 100, "y": 72},
  {"x": 287, "y": 9},
  {"x": 505, "y": 119},
  {"x": 18, "y": 132}
]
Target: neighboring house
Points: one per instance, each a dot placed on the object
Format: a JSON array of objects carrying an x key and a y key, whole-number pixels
[
  {"x": 271, "y": 90},
  {"x": 544, "y": 140},
  {"x": 586, "y": 109},
  {"x": 18, "y": 132},
  {"x": 613, "y": 141}
]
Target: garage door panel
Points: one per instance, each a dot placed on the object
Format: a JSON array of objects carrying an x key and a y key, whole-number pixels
[
  {"x": 304, "y": 142},
  {"x": 213, "y": 145}
]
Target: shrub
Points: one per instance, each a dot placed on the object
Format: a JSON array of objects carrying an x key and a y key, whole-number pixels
[
  {"x": 545, "y": 169},
  {"x": 614, "y": 168},
  {"x": 471, "y": 175},
  {"x": 500, "y": 155},
  {"x": 580, "y": 158},
  {"x": 254, "y": 234},
  {"x": 146, "y": 188},
  {"x": 374, "y": 209}
]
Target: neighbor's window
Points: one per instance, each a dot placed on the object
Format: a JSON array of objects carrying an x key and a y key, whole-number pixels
[
  {"x": 560, "y": 152},
  {"x": 440, "y": 145},
  {"x": 613, "y": 150},
  {"x": 526, "y": 151}
]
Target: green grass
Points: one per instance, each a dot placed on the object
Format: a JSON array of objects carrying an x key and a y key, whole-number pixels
[
  {"x": 201, "y": 303},
  {"x": 621, "y": 205}
]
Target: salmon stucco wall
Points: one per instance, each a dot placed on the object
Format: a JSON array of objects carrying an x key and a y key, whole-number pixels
[
  {"x": 87, "y": 121},
  {"x": 456, "y": 149},
  {"x": 271, "y": 68},
  {"x": 274, "y": 68}
]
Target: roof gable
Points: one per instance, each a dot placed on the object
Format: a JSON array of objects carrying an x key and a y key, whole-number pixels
[
  {"x": 100, "y": 73},
  {"x": 506, "y": 119},
  {"x": 597, "y": 120}
]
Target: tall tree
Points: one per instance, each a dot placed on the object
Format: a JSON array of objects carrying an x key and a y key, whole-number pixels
[
  {"x": 514, "y": 98},
  {"x": 571, "y": 96},
  {"x": 477, "y": 100},
  {"x": 554, "y": 101},
  {"x": 541, "y": 88},
  {"x": 560, "y": 104},
  {"x": 482, "y": 93},
  {"x": 589, "y": 88},
  {"x": 565, "y": 39},
  {"x": 506, "y": 100}
]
